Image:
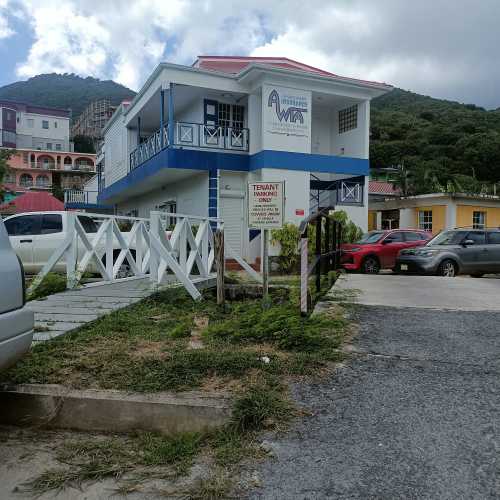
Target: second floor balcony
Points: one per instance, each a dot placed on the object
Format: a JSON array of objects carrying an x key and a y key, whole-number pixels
[{"x": 191, "y": 136}]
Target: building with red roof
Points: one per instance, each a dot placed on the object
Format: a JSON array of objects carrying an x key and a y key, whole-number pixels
[
  {"x": 36, "y": 201},
  {"x": 194, "y": 137}
]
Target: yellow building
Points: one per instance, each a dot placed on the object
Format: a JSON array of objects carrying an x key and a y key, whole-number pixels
[{"x": 435, "y": 212}]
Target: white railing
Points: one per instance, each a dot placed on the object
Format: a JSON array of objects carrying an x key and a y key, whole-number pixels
[
  {"x": 80, "y": 196},
  {"x": 149, "y": 148},
  {"x": 146, "y": 247},
  {"x": 182, "y": 248},
  {"x": 111, "y": 252},
  {"x": 192, "y": 135}
]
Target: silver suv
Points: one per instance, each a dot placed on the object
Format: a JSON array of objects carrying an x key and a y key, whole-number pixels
[
  {"x": 16, "y": 321},
  {"x": 456, "y": 251}
]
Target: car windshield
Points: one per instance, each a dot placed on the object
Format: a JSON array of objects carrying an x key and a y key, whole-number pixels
[
  {"x": 447, "y": 238},
  {"x": 371, "y": 237}
]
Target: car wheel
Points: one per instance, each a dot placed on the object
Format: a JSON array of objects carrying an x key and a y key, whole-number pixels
[
  {"x": 447, "y": 268},
  {"x": 477, "y": 275},
  {"x": 371, "y": 265}
]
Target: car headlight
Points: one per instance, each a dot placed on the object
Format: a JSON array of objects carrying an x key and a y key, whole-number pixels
[
  {"x": 356, "y": 249},
  {"x": 427, "y": 253}
]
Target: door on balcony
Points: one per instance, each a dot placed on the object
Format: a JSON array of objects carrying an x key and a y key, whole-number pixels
[
  {"x": 211, "y": 121},
  {"x": 232, "y": 215}
]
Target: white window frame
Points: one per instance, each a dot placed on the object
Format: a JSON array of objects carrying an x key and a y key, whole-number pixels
[
  {"x": 425, "y": 220},
  {"x": 476, "y": 221}
]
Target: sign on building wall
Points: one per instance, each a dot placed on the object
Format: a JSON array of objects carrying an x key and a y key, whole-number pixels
[
  {"x": 286, "y": 119},
  {"x": 266, "y": 205}
]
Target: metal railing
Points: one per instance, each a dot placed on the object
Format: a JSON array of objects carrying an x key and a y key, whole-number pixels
[
  {"x": 40, "y": 165},
  {"x": 80, "y": 196},
  {"x": 327, "y": 234},
  {"x": 192, "y": 135}
]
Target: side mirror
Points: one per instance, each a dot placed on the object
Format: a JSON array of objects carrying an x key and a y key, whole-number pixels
[{"x": 467, "y": 243}]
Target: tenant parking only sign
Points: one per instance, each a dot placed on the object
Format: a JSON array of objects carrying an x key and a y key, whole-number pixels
[{"x": 266, "y": 202}]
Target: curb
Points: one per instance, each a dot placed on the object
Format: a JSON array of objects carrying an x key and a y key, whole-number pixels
[{"x": 55, "y": 406}]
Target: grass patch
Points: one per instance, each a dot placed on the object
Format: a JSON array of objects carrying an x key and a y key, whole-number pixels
[
  {"x": 248, "y": 346},
  {"x": 51, "y": 283},
  {"x": 97, "y": 459},
  {"x": 144, "y": 347}
]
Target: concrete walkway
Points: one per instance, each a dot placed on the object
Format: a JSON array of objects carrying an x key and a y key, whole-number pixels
[
  {"x": 434, "y": 292},
  {"x": 63, "y": 312}
]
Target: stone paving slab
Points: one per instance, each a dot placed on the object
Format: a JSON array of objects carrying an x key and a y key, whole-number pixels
[
  {"x": 58, "y": 325},
  {"x": 63, "y": 312},
  {"x": 67, "y": 317},
  {"x": 48, "y": 308}
]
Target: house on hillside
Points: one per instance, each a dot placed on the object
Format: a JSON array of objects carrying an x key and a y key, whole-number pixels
[
  {"x": 194, "y": 136},
  {"x": 44, "y": 157}
]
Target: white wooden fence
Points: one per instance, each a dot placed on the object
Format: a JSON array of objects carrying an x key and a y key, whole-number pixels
[{"x": 124, "y": 248}]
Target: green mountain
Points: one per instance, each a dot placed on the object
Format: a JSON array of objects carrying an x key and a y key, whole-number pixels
[
  {"x": 440, "y": 144},
  {"x": 66, "y": 91}
]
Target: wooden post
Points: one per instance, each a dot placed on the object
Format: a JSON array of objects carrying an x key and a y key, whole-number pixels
[
  {"x": 328, "y": 261},
  {"x": 219, "y": 263},
  {"x": 265, "y": 264},
  {"x": 304, "y": 276},
  {"x": 335, "y": 245},
  {"x": 318, "y": 254}
]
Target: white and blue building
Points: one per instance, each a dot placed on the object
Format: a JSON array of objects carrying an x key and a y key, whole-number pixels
[{"x": 194, "y": 136}]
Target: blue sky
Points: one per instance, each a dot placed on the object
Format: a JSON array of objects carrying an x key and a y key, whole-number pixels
[
  {"x": 436, "y": 47},
  {"x": 13, "y": 50}
]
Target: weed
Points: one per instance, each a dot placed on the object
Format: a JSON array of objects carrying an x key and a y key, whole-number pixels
[
  {"x": 178, "y": 450},
  {"x": 51, "y": 283},
  {"x": 259, "y": 406},
  {"x": 214, "y": 488}
]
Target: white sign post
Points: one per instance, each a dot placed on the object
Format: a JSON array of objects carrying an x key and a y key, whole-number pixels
[{"x": 266, "y": 210}]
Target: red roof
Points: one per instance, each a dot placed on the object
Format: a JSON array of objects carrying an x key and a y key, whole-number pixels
[
  {"x": 379, "y": 187},
  {"x": 235, "y": 64},
  {"x": 36, "y": 201}
]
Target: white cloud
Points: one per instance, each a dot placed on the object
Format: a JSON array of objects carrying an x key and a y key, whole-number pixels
[{"x": 434, "y": 46}]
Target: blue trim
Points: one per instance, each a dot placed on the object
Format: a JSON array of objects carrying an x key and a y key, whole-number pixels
[
  {"x": 201, "y": 160},
  {"x": 171, "y": 114},
  {"x": 87, "y": 206},
  {"x": 212, "y": 195},
  {"x": 307, "y": 162},
  {"x": 162, "y": 117}
]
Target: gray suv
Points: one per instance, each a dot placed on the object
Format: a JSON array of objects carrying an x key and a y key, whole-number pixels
[
  {"x": 16, "y": 321},
  {"x": 457, "y": 251}
]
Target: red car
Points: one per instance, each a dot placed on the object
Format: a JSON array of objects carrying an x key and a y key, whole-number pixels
[{"x": 378, "y": 249}]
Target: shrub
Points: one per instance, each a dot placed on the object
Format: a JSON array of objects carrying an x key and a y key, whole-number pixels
[
  {"x": 51, "y": 283},
  {"x": 288, "y": 238},
  {"x": 259, "y": 404}
]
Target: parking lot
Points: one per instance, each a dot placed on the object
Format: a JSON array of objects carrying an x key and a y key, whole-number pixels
[{"x": 434, "y": 292}]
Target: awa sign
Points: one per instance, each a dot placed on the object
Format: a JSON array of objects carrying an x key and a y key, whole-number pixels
[{"x": 266, "y": 205}]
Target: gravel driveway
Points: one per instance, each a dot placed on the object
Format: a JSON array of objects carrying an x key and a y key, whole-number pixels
[{"x": 414, "y": 414}]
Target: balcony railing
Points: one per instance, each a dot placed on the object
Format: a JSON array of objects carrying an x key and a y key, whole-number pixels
[
  {"x": 192, "y": 135},
  {"x": 80, "y": 196},
  {"x": 40, "y": 165}
]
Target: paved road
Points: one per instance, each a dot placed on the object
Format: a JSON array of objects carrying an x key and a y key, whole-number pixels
[{"x": 415, "y": 414}]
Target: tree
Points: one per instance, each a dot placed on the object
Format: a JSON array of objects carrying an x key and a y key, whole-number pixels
[
  {"x": 83, "y": 144},
  {"x": 404, "y": 181},
  {"x": 5, "y": 155}
]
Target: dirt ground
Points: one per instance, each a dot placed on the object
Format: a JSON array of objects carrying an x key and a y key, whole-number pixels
[{"x": 27, "y": 454}]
